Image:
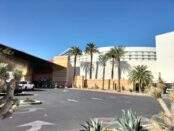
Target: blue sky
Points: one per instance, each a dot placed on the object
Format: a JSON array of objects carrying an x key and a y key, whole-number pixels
[{"x": 47, "y": 27}]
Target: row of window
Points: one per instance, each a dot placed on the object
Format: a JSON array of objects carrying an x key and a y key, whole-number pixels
[
  {"x": 130, "y": 55},
  {"x": 124, "y": 59}
]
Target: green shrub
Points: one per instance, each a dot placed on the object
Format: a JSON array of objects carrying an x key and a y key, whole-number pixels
[
  {"x": 93, "y": 125},
  {"x": 129, "y": 121}
]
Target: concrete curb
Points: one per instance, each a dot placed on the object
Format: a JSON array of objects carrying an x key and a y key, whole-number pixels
[{"x": 113, "y": 92}]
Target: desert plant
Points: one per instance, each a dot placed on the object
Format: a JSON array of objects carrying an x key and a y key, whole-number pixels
[
  {"x": 129, "y": 121},
  {"x": 75, "y": 51},
  {"x": 91, "y": 49},
  {"x": 115, "y": 54},
  {"x": 17, "y": 74},
  {"x": 161, "y": 84},
  {"x": 8, "y": 100},
  {"x": 171, "y": 96},
  {"x": 4, "y": 75},
  {"x": 141, "y": 75},
  {"x": 166, "y": 120},
  {"x": 93, "y": 125}
]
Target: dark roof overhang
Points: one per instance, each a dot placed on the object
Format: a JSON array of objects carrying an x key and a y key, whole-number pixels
[{"x": 33, "y": 60}]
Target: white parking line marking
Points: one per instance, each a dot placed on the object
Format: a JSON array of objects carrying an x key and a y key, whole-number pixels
[
  {"x": 36, "y": 125},
  {"x": 128, "y": 102},
  {"x": 97, "y": 99},
  {"x": 29, "y": 110},
  {"x": 45, "y": 115},
  {"x": 72, "y": 100},
  {"x": 65, "y": 91}
]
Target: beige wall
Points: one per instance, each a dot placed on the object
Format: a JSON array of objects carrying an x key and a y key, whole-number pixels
[
  {"x": 24, "y": 67},
  {"x": 19, "y": 64},
  {"x": 61, "y": 60},
  {"x": 80, "y": 82}
]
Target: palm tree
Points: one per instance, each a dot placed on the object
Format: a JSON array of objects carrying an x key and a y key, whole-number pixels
[
  {"x": 91, "y": 49},
  {"x": 141, "y": 75},
  {"x": 86, "y": 68},
  {"x": 75, "y": 51},
  {"x": 102, "y": 61},
  {"x": 115, "y": 54}
]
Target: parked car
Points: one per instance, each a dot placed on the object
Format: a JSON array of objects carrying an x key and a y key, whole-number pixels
[
  {"x": 26, "y": 85},
  {"x": 18, "y": 90}
]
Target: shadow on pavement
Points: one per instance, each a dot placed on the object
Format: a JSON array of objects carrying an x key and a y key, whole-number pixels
[
  {"x": 25, "y": 94},
  {"x": 2, "y": 94}
]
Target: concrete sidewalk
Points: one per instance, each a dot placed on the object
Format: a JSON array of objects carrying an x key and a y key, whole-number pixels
[{"x": 113, "y": 91}]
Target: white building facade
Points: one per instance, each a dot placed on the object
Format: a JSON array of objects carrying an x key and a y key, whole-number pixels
[
  {"x": 134, "y": 56},
  {"x": 159, "y": 60},
  {"x": 165, "y": 56}
]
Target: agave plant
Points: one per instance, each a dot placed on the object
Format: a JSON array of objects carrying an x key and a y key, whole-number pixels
[
  {"x": 129, "y": 121},
  {"x": 93, "y": 125},
  {"x": 165, "y": 121}
]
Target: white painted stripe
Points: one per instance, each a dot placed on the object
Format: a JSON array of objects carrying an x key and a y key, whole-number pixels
[
  {"x": 72, "y": 100},
  {"x": 65, "y": 91},
  {"x": 29, "y": 110},
  {"x": 97, "y": 99}
]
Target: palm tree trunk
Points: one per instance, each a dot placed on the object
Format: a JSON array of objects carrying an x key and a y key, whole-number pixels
[
  {"x": 91, "y": 65},
  {"x": 112, "y": 70},
  {"x": 85, "y": 74},
  {"x": 140, "y": 86},
  {"x": 103, "y": 83},
  {"x": 119, "y": 76},
  {"x": 75, "y": 59},
  {"x": 96, "y": 73}
]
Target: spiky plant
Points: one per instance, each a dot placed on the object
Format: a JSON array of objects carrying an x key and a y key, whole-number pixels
[
  {"x": 93, "y": 125},
  {"x": 129, "y": 121},
  {"x": 166, "y": 120}
]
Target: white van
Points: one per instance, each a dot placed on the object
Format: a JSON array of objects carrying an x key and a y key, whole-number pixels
[{"x": 26, "y": 85}]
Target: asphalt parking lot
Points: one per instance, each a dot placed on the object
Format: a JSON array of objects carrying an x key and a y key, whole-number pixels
[{"x": 66, "y": 109}]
